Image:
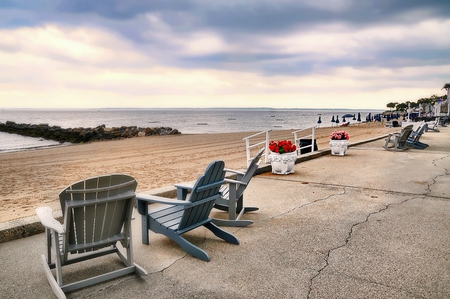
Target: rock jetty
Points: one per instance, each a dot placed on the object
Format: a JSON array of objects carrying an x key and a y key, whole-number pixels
[{"x": 78, "y": 135}]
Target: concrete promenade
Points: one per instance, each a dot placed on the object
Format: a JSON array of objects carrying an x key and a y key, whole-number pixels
[{"x": 372, "y": 224}]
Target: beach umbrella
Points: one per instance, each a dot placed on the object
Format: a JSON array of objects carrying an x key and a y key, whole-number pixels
[
  {"x": 359, "y": 117},
  {"x": 337, "y": 119}
]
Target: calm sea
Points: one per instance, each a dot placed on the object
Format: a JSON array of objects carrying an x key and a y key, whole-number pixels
[{"x": 187, "y": 121}]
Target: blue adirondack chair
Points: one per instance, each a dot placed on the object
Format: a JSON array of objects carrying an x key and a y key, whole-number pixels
[
  {"x": 97, "y": 215},
  {"x": 231, "y": 194},
  {"x": 180, "y": 216}
]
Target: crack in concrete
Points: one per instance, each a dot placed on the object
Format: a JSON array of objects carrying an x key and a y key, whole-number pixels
[
  {"x": 347, "y": 239},
  {"x": 351, "y": 230},
  {"x": 306, "y": 204},
  {"x": 434, "y": 162},
  {"x": 349, "y": 186}
]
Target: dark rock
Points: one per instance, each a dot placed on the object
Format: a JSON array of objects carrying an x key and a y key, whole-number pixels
[{"x": 77, "y": 135}]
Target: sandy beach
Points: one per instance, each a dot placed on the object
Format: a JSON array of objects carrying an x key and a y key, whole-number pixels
[{"x": 34, "y": 178}]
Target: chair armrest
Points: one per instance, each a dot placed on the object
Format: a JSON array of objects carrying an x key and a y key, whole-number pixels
[
  {"x": 230, "y": 181},
  {"x": 159, "y": 199},
  {"x": 234, "y": 171},
  {"x": 394, "y": 134},
  {"x": 187, "y": 186},
  {"x": 183, "y": 189},
  {"x": 48, "y": 221}
]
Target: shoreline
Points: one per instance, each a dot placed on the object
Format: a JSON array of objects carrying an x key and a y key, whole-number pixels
[{"x": 35, "y": 178}]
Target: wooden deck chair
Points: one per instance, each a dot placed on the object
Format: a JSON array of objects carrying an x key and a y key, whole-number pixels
[
  {"x": 413, "y": 139},
  {"x": 97, "y": 215},
  {"x": 397, "y": 141},
  {"x": 177, "y": 217},
  {"x": 232, "y": 195},
  {"x": 432, "y": 126}
]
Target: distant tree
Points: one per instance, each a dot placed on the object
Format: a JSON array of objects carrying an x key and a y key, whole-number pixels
[
  {"x": 422, "y": 102},
  {"x": 391, "y": 105},
  {"x": 401, "y": 107},
  {"x": 413, "y": 104}
]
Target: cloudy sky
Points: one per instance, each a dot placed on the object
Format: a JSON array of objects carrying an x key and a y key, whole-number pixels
[{"x": 222, "y": 53}]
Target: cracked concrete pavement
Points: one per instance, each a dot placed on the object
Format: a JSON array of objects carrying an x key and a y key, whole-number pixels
[{"x": 372, "y": 224}]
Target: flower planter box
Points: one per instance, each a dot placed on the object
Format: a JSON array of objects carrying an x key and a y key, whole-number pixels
[
  {"x": 283, "y": 163},
  {"x": 339, "y": 147}
]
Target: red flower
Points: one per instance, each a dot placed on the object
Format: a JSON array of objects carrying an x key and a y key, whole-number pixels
[
  {"x": 282, "y": 146},
  {"x": 339, "y": 135}
]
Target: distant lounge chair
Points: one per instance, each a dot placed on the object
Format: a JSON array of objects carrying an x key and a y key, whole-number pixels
[
  {"x": 397, "y": 141},
  {"x": 432, "y": 126},
  {"x": 177, "y": 217},
  {"x": 413, "y": 139},
  {"x": 232, "y": 195},
  {"x": 97, "y": 215}
]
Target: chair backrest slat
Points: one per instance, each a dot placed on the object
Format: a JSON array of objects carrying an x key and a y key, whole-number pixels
[
  {"x": 205, "y": 189},
  {"x": 97, "y": 208},
  {"x": 249, "y": 173}
]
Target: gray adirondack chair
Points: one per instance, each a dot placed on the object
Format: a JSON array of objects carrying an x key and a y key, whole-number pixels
[
  {"x": 177, "y": 217},
  {"x": 397, "y": 141},
  {"x": 413, "y": 139},
  {"x": 231, "y": 195},
  {"x": 97, "y": 215}
]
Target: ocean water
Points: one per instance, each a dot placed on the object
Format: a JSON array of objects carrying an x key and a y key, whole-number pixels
[{"x": 187, "y": 121}]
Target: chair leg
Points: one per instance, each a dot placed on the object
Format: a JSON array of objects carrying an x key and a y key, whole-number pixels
[
  {"x": 234, "y": 222},
  {"x": 231, "y": 223},
  {"x": 190, "y": 248},
  {"x": 250, "y": 209},
  {"x": 224, "y": 235},
  {"x": 53, "y": 284},
  {"x": 145, "y": 228}
]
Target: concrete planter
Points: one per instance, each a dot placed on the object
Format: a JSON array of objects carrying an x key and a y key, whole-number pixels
[
  {"x": 339, "y": 147},
  {"x": 283, "y": 163}
]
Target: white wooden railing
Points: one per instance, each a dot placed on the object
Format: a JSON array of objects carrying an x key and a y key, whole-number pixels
[
  {"x": 249, "y": 146},
  {"x": 297, "y": 140}
]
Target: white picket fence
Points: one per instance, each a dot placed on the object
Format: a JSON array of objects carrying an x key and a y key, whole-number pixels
[{"x": 266, "y": 141}]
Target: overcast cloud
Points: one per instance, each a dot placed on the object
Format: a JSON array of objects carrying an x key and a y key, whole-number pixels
[{"x": 203, "y": 53}]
